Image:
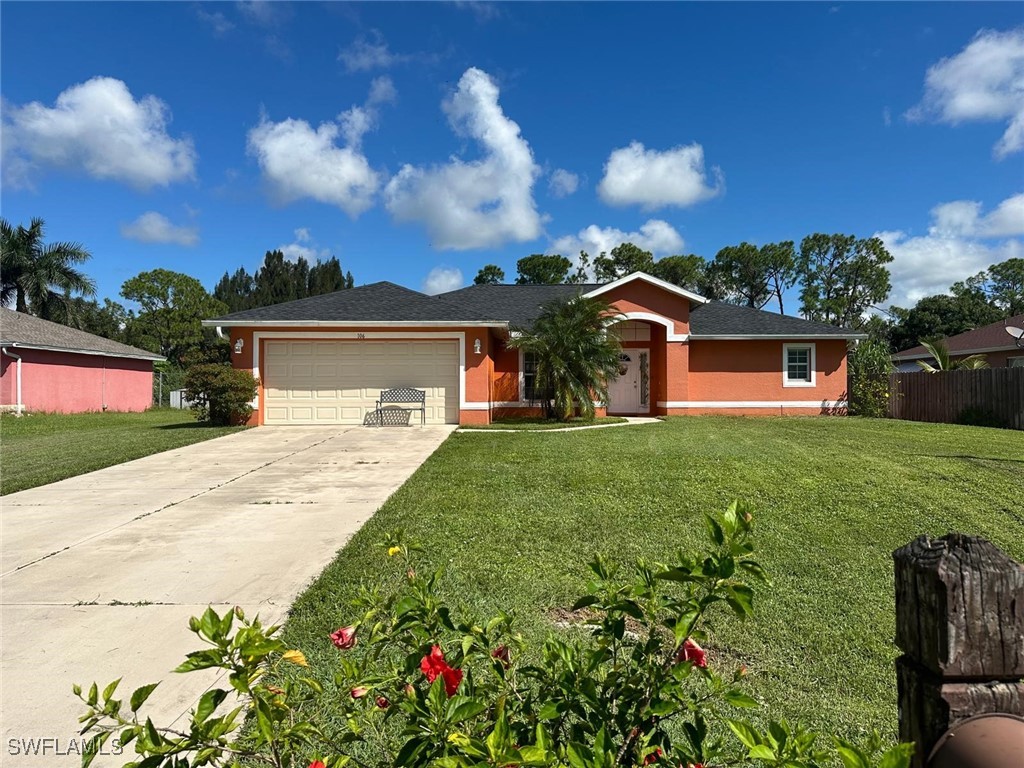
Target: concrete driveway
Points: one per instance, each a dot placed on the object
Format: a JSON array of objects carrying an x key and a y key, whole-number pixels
[{"x": 100, "y": 573}]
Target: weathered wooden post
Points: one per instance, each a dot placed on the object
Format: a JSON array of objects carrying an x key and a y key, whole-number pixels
[{"x": 960, "y": 625}]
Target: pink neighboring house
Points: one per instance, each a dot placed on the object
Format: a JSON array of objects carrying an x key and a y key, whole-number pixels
[{"x": 50, "y": 367}]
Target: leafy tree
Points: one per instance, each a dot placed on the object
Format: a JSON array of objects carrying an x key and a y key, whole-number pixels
[
  {"x": 943, "y": 362},
  {"x": 624, "y": 259},
  {"x": 40, "y": 278},
  {"x": 575, "y": 356},
  {"x": 236, "y": 290},
  {"x": 684, "y": 271},
  {"x": 219, "y": 393},
  {"x": 491, "y": 274},
  {"x": 1007, "y": 285},
  {"x": 753, "y": 276},
  {"x": 326, "y": 277},
  {"x": 109, "y": 319},
  {"x": 542, "y": 269},
  {"x": 937, "y": 317},
  {"x": 280, "y": 280},
  {"x": 172, "y": 305},
  {"x": 582, "y": 273},
  {"x": 842, "y": 277}
]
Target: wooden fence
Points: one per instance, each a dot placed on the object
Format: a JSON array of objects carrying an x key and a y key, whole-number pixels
[{"x": 949, "y": 396}]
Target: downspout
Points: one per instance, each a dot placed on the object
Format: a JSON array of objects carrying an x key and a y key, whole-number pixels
[
  {"x": 220, "y": 333},
  {"x": 8, "y": 352}
]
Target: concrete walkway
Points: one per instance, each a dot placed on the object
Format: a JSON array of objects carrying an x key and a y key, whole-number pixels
[
  {"x": 629, "y": 421},
  {"x": 100, "y": 573}
]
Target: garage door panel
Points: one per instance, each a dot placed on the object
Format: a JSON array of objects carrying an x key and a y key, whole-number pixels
[{"x": 339, "y": 382}]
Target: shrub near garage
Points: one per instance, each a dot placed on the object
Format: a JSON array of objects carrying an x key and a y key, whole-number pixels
[
  {"x": 418, "y": 687},
  {"x": 219, "y": 393}
]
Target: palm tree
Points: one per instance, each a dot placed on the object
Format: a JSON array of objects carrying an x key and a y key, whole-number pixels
[
  {"x": 940, "y": 353},
  {"x": 575, "y": 355},
  {"x": 40, "y": 278}
]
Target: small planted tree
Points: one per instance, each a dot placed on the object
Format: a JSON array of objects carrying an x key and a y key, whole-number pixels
[
  {"x": 575, "y": 354},
  {"x": 870, "y": 367},
  {"x": 219, "y": 393}
]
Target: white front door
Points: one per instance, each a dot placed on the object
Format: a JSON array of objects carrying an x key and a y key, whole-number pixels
[{"x": 624, "y": 391}]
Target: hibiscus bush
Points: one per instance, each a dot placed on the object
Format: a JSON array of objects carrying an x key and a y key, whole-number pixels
[{"x": 629, "y": 684}]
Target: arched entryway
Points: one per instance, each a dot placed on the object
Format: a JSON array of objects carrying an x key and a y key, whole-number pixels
[{"x": 641, "y": 368}]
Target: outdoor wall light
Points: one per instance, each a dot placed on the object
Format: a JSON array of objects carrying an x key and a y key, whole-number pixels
[
  {"x": 476, "y": 346},
  {"x": 239, "y": 343}
]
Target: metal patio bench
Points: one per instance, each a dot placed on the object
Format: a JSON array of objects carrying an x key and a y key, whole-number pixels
[{"x": 395, "y": 405}]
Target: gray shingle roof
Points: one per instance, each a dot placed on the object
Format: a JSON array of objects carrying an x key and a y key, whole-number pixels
[
  {"x": 517, "y": 305},
  {"x": 722, "y": 319},
  {"x": 377, "y": 302},
  {"x": 21, "y": 330}
]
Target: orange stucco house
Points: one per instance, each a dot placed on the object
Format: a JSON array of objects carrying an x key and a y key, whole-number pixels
[{"x": 325, "y": 359}]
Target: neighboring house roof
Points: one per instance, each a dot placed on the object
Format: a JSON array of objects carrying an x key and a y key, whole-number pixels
[
  {"x": 18, "y": 329},
  {"x": 988, "y": 338},
  {"x": 514, "y": 306}
]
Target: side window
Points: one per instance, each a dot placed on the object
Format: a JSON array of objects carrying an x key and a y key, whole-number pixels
[
  {"x": 529, "y": 376},
  {"x": 798, "y": 365}
]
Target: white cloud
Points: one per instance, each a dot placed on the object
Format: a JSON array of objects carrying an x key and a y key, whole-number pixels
[
  {"x": 960, "y": 242},
  {"x": 984, "y": 82},
  {"x": 563, "y": 183},
  {"x": 299, "y": 162},
  {"x": 304, "y": 247},
  {"x": 96, "y": 127},
  {"x": 635, "y": 175},
  {"x": 657, "y": 236},
  {"x": 442, "y": 280},
  {"x": 261, "y": 12},
  {"x": 153, "y": 227},
  {"x": 366, "y": 54},
  {"x": 963, "y": 218},
  {"x": 480, "y": 204},
  {"x": 219, "y": 23}
]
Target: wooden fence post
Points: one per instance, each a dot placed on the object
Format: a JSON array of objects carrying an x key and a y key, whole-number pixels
[{"x": 960, "y": 625}]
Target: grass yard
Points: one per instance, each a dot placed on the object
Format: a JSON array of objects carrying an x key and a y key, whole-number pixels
[
  {"x": 46, "y": 447},
  {"x": 539, "y": 424},
  {"x": 514, "y": 519}
]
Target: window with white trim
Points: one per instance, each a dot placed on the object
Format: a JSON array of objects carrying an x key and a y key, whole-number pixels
[
  {"x": 1015, "y": 362},
  {"x": 798, "y": 365},
  {"x": 530, "y": 393}
]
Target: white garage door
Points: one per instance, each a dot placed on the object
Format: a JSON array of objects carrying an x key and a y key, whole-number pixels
[{"x": 338, "y": 382}]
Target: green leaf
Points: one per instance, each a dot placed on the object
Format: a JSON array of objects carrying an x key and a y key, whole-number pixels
[
  {"x": 761, "y": 752},
  {"x": 94, "y": 747},
  {"x": 550, "y": 711},
  {"x": 897, "y": 757},
  {"x": 152, "y": 735},
  {"x": 437, "y": 696},
  {"x": 410, "y": 751},
  {"x": 209, "y": 624},
  {"x": 208, "y": 703},
  {"x": 94, "y": 695},
  {"x": 141, "y": 694},
  {"x": 461, "y": 708},
  {"x": 200, "y": 660},
  {"x": 579, "y": 756},
  {"x": 76, "y": 689},
  {"x": 744, "y": 733},
  {"x": 740, "y": 699},
  {"x": 740, "y": 598},
  {"x": 714, "y": 529},
  {"x": 852, "y": 757},
  {"x": 585, "y": 602}
]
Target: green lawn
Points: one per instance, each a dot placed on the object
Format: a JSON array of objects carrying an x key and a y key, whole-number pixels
[
  {"x": 539, "y": 424},
  {"x": 46, "y": 447},
  {"x": 514, "y": 519}
]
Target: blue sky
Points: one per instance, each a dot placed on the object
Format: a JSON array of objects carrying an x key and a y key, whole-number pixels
[{"x": 418, "y": 142}]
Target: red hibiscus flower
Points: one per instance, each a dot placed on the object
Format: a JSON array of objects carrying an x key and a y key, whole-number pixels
[
  {"x": 382, "y": 702},
  {"x": 433, "y": 664},
  {"x": 358, "y": 693},
  {"x": 653, "y": 757},
  {"x": 317, "y": 764},
  {"x": 344, "y": 638},
  {"x": 690, "y": 651},
  {"x": 501, "y": 654}
]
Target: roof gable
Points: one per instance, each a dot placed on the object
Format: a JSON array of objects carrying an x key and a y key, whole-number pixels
[
  {"x": 650, "y": 280},
  {"x": 18, "y": 329}
]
